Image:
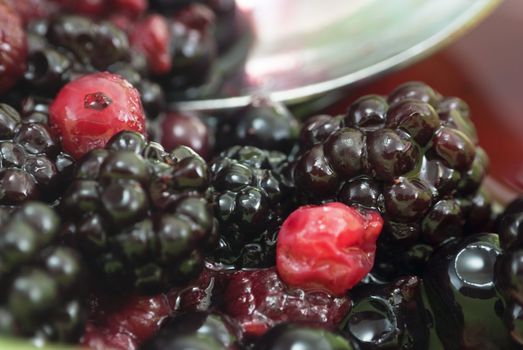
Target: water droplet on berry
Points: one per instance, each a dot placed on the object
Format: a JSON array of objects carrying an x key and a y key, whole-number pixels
[{"x": 97, "y": 101}]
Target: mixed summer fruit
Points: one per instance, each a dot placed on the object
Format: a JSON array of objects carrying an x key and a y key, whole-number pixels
[{"x": 125, "y": 224}]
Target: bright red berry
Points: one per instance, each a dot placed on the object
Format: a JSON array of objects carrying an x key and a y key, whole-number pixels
[
  {"x": 152, "y": 37},
  {"x": 329, "y": 247},
  {"x": 13, "y": 48},
  {"x": 88, "y": 111},
  {"x": 259, "y": 300}
]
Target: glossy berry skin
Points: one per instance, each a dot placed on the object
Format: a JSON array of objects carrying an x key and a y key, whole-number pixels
[
  {"x": 509, "y": 268},
  {"x": 263, "y": 124},
  {"x": 302, "y": 336},
  {"x": 139, "y": 214},
  {"x": 467, "y": 308},
  {"x": 213, "y": 330},
  {"x": 390, "y": 316},
  {"x": 32, "y": 165},
  {"x": 259, "y": 300},
  {"x": 251, "y": 197},
  {"x": 329, "y": 247},
  {"x": 185, "y": 129},
  {"x": 414, "y": 157},
  {"x": 42, "y": 282},
  {"x": 13, "y": 48},
  {"x": 87, "y": 112}
]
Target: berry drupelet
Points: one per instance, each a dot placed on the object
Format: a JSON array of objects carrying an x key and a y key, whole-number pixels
[
  {"x": 140, "y": 214},
  {"x": 41, "y": 281},
  {"x": 251, "y": 198},
  {"x": 413, "y": 156},
  {"x": 32, "y": 165},
  {"x": 509, "y": 268}
]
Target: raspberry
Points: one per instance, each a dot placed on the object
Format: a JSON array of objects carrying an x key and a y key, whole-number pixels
[
  {"x": 126, "y": 322},
  {"x": 329, "y": 247},
  {"x": 88, "y": 111},
  {"x": 259, "y": 300},
  {"x": 152, "y": 37},
  {"x": 13, "y": 48}
]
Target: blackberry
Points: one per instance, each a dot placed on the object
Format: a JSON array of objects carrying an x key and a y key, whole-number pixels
[
  {"x": 139, "y": 214},
  {"x": 32, "y": 165},
  {"x": 41, "y": 281},
  {"x": 251, "y": 197},
  {"x": 413, "y": 156},
  {"x": 263, "y": 123},
  {"x": 509, "y": 268},
  {"x": 459, "y": 285},
  {"x": 68, "y": 46},
  {"x": 390, "y": 316}
]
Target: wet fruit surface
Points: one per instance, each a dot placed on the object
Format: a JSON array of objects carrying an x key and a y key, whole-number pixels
[
  {"x": 468, "y": 309},
  {"x": 259, "y": 299},
  {"x": 329, "y": 247}
]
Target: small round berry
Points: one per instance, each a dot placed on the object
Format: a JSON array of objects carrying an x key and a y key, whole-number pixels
[
  {"x": 87, "y": 112},
  {"x": 185, "y": 129},
  {"x": 329, "y": 247},
  {"x": 267, "y": 125}
]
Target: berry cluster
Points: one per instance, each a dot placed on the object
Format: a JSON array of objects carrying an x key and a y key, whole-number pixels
[
  {"x": 238, "y": 231},
  {"x": 32, "y": 165},
  {"x": 140, "y": 214},
  {"x": 251, "y": 197},
  {"x": 413, "y": 156},
  {"x": 41, "y": 282}
]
